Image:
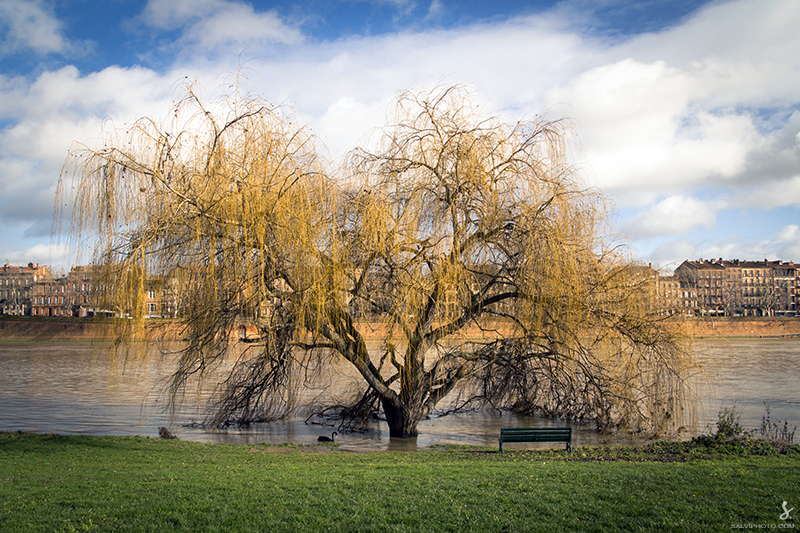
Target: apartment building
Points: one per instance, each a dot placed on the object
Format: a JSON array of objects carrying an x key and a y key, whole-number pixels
[
  {"x": 69, "y": 295},
  {"x": 787, "y": 286},
  {"x": 672, "y": 298},
  {"x": 733, "y": 295},
  {"x": 16, "y": 287},
  {"x": 705, "y": 280},
  {"x": 73, "y": 295},
  {"x": 740, "y": 288},
  {"x": 697, "y": 288}
]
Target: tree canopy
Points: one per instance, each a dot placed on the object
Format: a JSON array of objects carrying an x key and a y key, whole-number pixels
[{"x": 473, "y": 243}]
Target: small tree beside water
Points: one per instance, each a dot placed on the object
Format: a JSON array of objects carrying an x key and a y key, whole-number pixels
[{"x": 472, "y": 243}]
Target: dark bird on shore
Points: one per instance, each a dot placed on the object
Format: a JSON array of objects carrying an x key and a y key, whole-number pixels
[
  {"x": 332, "y": 438},
  {"x": 164, "y": 433}
]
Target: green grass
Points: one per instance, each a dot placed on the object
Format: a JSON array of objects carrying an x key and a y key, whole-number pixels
[{"x": 60, "y": 483}]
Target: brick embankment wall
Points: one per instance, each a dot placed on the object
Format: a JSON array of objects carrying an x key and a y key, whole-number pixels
[
  {"x": 57, "y": 329},
  {"x": 744, "y": 327},
  {"x": 694, "y": 327},
  {"x": 493, "y": 330},
  {"x": 64, "y": 329},
  {"x": 50, "y": 329},
  {"x": 73, "y": 329}
]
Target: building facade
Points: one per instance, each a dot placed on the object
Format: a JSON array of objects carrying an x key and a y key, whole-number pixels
[
  {"x": 69, "y": 295},
  {"x": 704, "y": 279},
  {"x": 717, "y": 287},
  {"x": 671, "y": 298},
  {"x": 73, "y": 295},
  {"x": 17, "y": 285},
  {"x": 739, "y": 288},
  {"x": 787, "y": 286}
]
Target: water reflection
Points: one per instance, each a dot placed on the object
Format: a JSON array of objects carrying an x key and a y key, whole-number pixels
[{"x": 77, "y": 388}]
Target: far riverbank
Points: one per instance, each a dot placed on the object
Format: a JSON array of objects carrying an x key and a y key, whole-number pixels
[
  {"x": 767, "y": 327},
  {"x": 81, "y": 329}
]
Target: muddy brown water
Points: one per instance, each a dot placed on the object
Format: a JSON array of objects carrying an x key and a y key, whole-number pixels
[{"x": 77, "y": 388}]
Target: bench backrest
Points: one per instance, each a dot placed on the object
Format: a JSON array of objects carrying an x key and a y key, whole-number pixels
[{"x": 536, "y": 434}]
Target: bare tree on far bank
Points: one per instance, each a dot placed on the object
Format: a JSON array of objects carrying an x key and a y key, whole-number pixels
[{"x": 457, "y": 223}]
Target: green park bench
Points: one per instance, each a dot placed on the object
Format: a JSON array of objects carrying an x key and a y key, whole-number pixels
[{"x": 536, "y": 435}]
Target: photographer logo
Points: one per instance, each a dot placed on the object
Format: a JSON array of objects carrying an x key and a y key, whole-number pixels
[{"x": 787, "y": 513}]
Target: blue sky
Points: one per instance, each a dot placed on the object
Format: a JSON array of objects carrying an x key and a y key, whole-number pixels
[{"x": 687, "y": 112}]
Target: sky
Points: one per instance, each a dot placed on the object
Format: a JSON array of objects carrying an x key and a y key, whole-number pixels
[{"x": 686, "y": 113}]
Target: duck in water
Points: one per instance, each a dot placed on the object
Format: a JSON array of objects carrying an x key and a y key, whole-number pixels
[{"x": 332, "y": 438}]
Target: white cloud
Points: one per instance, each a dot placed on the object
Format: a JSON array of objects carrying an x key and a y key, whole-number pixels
[
  {"x": 771, "y": 177},
  {"x": 790, "y": 233},
  {"x": 170, "y": 14},
  {"x": 788, "y": 243},
  {"x": 55, "y": 255},
  {"x": 238, "y": 25},
  {"x": 672, "y": 216},
  {"x": 692, "y": 106},
  {"x": 29, "y": 25},
  {"x": 210, "y": 24},
  {"x": 436, "y": 10},
  {"x": 670, "y": 255},
  {"x": 628, "y": 111},
  {"x": 45, "y": 117},
  {"x": 700, "y": 106},
  {"x": 741, "y": 51},
  {"x": 714, "y": 146},
  {"x": 511, "y": 63},
  {"x": 114, "y": 92},
  {"x": 344, "y": 121},
  {"x": 783, "y": 245},
  {"x": 644, "y": 131},
  {"x": 766, "y": 193}
]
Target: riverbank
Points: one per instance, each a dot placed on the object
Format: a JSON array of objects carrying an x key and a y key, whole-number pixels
[
  {"x": 78, "y": 483},
  {"x": 82, "y": 329},
  {"x": 768, "y": 327},
  {"x": 57, "y": 329}
]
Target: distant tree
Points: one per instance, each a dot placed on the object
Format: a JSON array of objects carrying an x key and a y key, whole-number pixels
[{"x": 471, "y": 241}]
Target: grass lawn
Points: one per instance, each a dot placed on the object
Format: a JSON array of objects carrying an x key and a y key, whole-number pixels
[{"x": 75, "y": 483}]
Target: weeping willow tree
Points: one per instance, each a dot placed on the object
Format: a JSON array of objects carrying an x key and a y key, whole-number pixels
[{"x": 471, "y": 243}]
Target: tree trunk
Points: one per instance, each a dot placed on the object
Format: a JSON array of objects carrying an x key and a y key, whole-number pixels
[{"x": 402, "y": 420}]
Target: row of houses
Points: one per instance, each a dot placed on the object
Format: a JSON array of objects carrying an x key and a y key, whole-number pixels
[
  {"x": 731, "y": 288},
  {"x": 17, "y": 285},
  {"x": 32, "y": 290},
  {"x": 697, "y": 288}
]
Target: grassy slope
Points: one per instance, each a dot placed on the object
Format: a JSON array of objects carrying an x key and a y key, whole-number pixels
[{"x": 57, "y": 483}]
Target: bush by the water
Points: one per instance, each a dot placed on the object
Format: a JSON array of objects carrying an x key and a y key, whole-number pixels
[{"x": 730, "y": 436}]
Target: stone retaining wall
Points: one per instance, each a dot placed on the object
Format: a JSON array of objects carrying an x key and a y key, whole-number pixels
[
  {"x": 741, "y": 327},
  {"x": 55, "y": 329}
]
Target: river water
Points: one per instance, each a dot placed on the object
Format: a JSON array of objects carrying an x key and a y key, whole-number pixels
[{"x": 78, "y": 388}]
